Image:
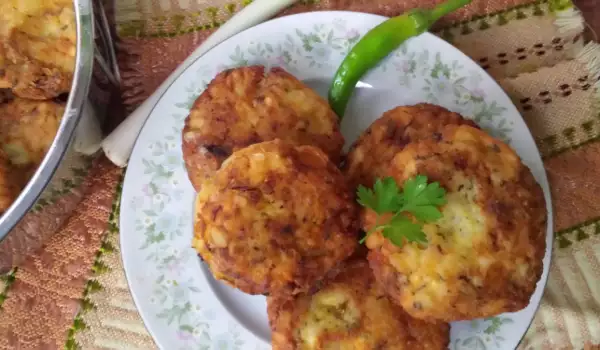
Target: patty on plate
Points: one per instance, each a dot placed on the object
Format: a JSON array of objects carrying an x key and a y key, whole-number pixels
[
  {"x": 389, "y": 134},
  {"x": 28, "y": 128},
  {"x": 350, "y": 311},
  {"x": 248, "y": 105},
  {"x": 275, "y": 218},
  {"x": 38, "y": 39},
  {"x": 8, "y": 188},
  {"x": 484, "y": 257}
]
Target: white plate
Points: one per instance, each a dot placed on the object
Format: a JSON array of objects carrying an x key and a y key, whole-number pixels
[{"x": 182, "y": 306}]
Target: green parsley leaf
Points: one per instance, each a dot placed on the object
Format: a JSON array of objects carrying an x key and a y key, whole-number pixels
[
  {"x": 417, "y": 192},
  {"x": 418, "y": 198},
  {"x": 426, "y": 213},
  {"x": 422, "y": 199},
  {"x": 401, "y": 228},
  {"x": 384, "y": 198},
  {"x": 366, "y": 197}
]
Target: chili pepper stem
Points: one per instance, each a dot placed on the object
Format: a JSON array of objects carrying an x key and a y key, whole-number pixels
[{"x": 445, "y": 8}]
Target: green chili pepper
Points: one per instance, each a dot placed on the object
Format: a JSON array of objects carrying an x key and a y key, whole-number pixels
[{"x": 377, "y": 44}]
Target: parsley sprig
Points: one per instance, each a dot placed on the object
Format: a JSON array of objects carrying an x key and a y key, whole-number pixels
[{"x": 418, "y": 198}]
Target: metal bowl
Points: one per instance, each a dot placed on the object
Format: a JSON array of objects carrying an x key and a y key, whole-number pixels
[{"x": 73, "y": 113}]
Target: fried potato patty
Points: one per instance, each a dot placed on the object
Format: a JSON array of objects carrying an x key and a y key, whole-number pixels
[
  {"x": 484, "y": 257},
  {"x": 249, "y": 105},
  {"x": 4, "y": 82},
  {"x": 27, "y": 129},
  {"x": 388, "y": 135},
  {"x": 275, "y": 219},
  {"x": 39, "y": 47},
  {"x": 8, "y": 189},
  {"x": 350, "y": 312}
]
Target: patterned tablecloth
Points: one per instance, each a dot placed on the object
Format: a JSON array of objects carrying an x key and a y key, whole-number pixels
[{"x": 73, "y": 293}]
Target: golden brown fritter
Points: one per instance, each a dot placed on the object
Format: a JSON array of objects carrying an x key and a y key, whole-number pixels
[
  {"x": 8, "y": 188},
  {"x": 275, "y": 219},
  {"x": 350, "y": 312},
  {"x": 4, "y": 82},
  {"x": 248, "y": 105},
  {"x": 484, "y": 257},
  {"x": 389, "y": 134},
  {"x": 39, "y": 47},
  {"x": 27, "y": 129}
]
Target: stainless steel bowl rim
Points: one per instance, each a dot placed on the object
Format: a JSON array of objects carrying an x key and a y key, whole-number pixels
[{"x": 79, "y": 91}]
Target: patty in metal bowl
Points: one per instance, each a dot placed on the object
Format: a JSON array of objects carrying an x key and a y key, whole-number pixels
[
  {"x": 38, "y": 39},
  {"x": 28, "y": 128},
  {"x": 350, "y": 311},
  {"x": 484, "y": 256},
  {"x": 389, "y": 134},
  {"x": 248, "y": 105},
  {"x": 275, "y": 219},
  {"x": 8, "y": 187}
]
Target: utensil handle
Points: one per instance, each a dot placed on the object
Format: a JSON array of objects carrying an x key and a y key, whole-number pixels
[{"x": 119, "y": 144}]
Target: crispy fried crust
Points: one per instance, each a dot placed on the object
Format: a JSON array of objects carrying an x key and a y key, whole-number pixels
[
  {"x": 275, "y": 219},
  {"x": 248, "y": 105},
  {"x": 8, "y": 188},
  {"x": 350, "y": 312},
  {"x": 4, "y": 81},
  {"x": 27, "y": 129},
  {"x": 389, "y": 134},
  {"x": 39, "y": 47},
  {"x": 484, "y": 257}
]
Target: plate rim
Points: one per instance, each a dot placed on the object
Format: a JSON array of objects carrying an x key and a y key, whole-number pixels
[{"x": 543, "y": 181}]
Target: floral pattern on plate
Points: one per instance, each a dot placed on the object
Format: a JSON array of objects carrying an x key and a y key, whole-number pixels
[{"x": 182, "y": 306}]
